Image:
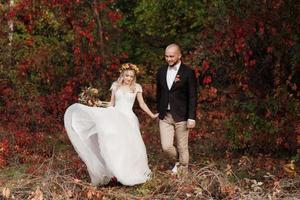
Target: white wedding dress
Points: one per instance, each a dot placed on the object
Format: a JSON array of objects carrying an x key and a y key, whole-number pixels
[{"x": 108, "y": 140}]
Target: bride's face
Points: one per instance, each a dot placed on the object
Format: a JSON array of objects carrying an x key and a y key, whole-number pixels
[{"x": 128, "y": 77}]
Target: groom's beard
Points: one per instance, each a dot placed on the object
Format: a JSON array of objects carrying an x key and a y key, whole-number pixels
[{"x": 175, "y": 63}]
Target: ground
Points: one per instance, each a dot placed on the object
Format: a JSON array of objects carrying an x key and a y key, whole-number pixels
[{"x": 213, "y": 174}]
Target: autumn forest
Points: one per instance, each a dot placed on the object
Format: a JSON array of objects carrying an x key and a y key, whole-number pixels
[{"x": 246, "y": 57}]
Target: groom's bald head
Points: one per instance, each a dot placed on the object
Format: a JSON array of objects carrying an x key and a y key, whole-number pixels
[{"x": 174, "y": 47}]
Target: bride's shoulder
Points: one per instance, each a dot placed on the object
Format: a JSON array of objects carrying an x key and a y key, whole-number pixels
[
  {"x": 138, "y": 87},
  {"x": 115, "y": 85}
]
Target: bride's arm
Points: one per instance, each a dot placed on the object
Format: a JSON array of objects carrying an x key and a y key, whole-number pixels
[
  {"x": 144, "y": 106},
  {"x": 112, "y": 98}
]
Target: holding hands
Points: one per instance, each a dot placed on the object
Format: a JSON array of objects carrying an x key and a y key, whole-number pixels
[{"x": 154, "y": 116}]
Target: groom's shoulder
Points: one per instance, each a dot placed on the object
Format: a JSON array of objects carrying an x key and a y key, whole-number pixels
[{"x": 187, "y": 67}]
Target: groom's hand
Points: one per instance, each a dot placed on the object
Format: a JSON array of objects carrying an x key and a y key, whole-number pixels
[{"x": 191, "y": 123}]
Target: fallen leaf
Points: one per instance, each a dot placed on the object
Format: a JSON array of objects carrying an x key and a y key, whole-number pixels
[
  {"x": 290, "y": 168},
  {"x": 37, "y": 195},
  {"x": 228, "y": 170},
  {"x": 6, "y": 193}
]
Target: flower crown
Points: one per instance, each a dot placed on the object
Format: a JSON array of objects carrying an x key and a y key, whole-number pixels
[{"x": 129, "y": 66}]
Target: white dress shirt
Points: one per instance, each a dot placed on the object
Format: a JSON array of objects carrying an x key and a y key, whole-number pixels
[{"x": 171, "y": 74}]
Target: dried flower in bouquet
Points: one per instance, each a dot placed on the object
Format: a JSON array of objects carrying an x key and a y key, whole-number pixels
[{"x": 90, "y": 96}]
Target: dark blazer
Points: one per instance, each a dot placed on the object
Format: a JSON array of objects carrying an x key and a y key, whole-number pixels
[{"x": 182, "y": 96}]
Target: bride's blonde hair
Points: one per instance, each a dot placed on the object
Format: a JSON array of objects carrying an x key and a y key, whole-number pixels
[{"x": 125, "y": 68}]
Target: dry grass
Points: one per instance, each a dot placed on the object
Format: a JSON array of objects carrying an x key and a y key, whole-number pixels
[{"x": 58, "y": 182}]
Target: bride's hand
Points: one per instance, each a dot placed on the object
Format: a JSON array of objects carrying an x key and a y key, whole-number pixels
[
  {"x": 155, "y": 116},
  {"x": 98, "y": 103},
  {"x": 106, "y": 104}
]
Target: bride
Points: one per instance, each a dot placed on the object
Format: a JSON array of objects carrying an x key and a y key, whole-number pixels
[{"x": 108, "y": 140}]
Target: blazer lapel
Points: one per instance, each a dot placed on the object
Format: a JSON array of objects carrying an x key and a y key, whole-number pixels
[
  {"x": 178, "y": 76},
  {"x": 164, "y": 77}
]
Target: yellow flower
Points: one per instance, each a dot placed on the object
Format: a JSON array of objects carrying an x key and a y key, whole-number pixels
[
  {"x": 129, "y": 66},
  {"x": 94, "y": 91}
]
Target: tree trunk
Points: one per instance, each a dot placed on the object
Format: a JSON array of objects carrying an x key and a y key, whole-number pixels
[
  {"x": 100, "y": 31},
  {"x": 10, "y": 34}
]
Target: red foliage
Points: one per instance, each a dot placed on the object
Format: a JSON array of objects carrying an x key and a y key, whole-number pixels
[
  {"x": 23, "y": 139},
  {"x": 114, "y": 16},
  {"x": 41, "y": 82},
  {"x": 205, "y": 65},
  {"x": 101, "y": 6},
  {"x": 4, "y": 152},
  {"x": 207, "y": 80},
  {"x": 253, "y": 49},
  {"x": 29, "y": 42}
]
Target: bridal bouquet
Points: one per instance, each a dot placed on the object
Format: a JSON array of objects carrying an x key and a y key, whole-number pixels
[{"x": 90, "y": 96}]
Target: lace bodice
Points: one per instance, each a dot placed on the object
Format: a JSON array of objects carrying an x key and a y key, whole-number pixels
[{"x": 124, "y": 99}]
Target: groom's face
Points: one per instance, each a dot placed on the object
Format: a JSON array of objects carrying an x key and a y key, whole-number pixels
[{"x": 172, "y": 55}]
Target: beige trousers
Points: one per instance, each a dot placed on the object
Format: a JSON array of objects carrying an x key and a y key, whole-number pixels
[{"x": 170, "y": 129}]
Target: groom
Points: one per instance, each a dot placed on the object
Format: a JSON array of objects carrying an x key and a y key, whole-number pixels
[{"x": 176, "y": 97}]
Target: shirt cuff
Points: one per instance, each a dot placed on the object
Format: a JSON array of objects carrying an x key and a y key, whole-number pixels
[{"x": 192, "y": 120}]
